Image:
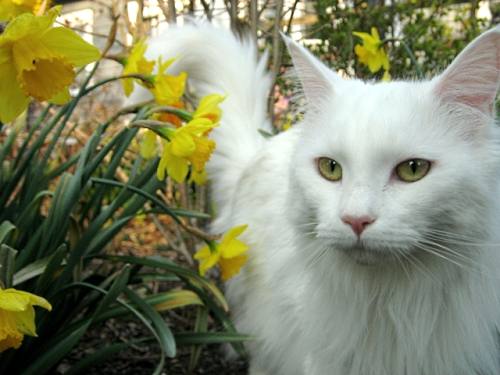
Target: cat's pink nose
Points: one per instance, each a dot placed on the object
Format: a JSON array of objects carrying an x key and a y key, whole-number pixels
[{"x": 358, "y": 224}]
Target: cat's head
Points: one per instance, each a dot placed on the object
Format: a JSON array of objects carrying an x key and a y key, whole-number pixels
[{"x": 398, "y": 168}]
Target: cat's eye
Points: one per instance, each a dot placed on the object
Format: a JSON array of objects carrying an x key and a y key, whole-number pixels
[
  {"x": 412, "y": 170},
  {"x": 329, "y": 169}
]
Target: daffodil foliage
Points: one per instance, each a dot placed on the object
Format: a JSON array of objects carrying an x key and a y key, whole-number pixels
[{"x": 37, "y": 61}]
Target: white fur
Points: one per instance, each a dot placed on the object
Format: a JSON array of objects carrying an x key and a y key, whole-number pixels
[{"x": 397, "y": 308}]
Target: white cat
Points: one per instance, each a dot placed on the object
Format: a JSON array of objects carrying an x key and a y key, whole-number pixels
[{"x": 354, "y": 269}]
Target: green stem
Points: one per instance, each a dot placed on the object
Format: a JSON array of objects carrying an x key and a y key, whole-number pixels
[
  {"x": 143, "y": 78},
  {"x": 163, "y": 129},
  {"x": 183, "y": 115},
  {"x": 409, "y": 52}
]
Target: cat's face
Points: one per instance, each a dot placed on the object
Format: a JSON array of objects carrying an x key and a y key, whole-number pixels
[
  {"x": 369, "y": 131},
  {"x": 372, "y": 212}
]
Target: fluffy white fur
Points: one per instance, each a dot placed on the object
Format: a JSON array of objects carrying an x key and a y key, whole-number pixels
[{"x": 419, "y": 294}]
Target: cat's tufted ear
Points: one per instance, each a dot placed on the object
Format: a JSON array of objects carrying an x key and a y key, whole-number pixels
[
  {"x": 473, "y": 77},
  {"x": 315, "y": 77}
]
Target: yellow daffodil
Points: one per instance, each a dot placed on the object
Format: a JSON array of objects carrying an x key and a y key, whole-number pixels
[
  {"x": 209, "y": 108},
  {"x": 188, "y": 145},
  {"x": 12, "y": 8},
  {"x": 17, "y": 316},
  {"x": 229, "y": 254},
  {"x": 168, "y": 89},
  {"x": 38, "y": 60},
  {"x": 148, "y": 145},
  {"x": 136, "y": 63},
  {"x": 371, "y": 53},
  {"x": 198, "y": 177}
]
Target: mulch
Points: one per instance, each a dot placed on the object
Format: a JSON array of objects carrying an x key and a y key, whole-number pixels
[{"x": 142, "y": 360}]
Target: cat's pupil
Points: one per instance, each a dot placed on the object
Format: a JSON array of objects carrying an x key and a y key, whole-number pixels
[
  {"x": 413, "y": 166},
  {"x": 333, "y": 164}
]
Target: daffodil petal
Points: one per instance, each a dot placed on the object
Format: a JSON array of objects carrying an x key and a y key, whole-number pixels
[
  {"x": 209, "y": 107},
  {"x": 202, "y": 253},
  {"x": 374, "y": 64},
  {"x": 182, "y": 144},
  {"x": 208, "y": 263},
  {"x": 67, "y": 43},
  {"x": 199, "y": 126},
  {"x": 233, "y": 249},
  {"x": 162, "y": 166},
  {"x": 12, "y": 99},
  {"x": 148, "y": 145},
  {"x": 233, "y": 233},
  {"x": 18, "y": 300},
  {"x": 375, "y": 34},
  {"x": 61, "y": 97},
  {"x": 28, "y": 25},
  {"x": 177, "y": 168},
  {"x": 26, "y": 321}
]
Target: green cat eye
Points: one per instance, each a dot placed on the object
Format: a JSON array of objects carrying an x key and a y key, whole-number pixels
[
  {"x": 330, "y": 169},
  {"x": 412, "y": 170}
]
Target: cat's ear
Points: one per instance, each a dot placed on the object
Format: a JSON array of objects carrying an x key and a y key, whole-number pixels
[
  {"x": 472, "y": 78},
  {"x": 315, "y": 77}
]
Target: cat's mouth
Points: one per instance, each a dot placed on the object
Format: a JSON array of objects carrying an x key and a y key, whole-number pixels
[{"x": 366, "y": 256}]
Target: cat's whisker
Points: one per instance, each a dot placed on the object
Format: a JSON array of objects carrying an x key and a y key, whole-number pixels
[
  {"x": 318, "y": 255},
  {"x": 447, "y": 250},
  {"x": 458, "y": 240},
  {"x": 439, "y": 255},
  {"x": 400, "y": 258},
  {"x": 471, "y": 263},
  {"x": 420, "y": 267}
]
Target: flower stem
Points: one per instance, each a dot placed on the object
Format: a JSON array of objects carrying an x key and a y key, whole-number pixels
[
  {"x": 409, "y": 52},
  {"x": 183, "y": 115}
]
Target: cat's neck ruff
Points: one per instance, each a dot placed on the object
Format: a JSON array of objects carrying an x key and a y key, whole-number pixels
[{"x": 424, "y": 318}]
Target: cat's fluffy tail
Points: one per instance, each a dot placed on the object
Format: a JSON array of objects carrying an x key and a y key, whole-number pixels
[{"x": 217, "y": 62}]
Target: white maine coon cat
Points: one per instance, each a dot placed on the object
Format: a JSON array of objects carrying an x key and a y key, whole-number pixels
[{"x": 374, "y": 225}]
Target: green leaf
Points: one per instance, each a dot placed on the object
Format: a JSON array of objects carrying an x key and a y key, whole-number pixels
[
  {"x": 58, "y": 347},
  {"x": 30, "y": 271},
  {"x": 185, "y": 273},
  {"x": 200, "y": 326},
  {"x": 167, "y": 341},
  {"x": 44, "y": 362},
  {"x": 160, "y": 302},
  {"x": 203, "y": 338},
  {"x": 54, "y": 264},
  {"x": 5, "y": 228},
  {"x": 7, "y": 256}
]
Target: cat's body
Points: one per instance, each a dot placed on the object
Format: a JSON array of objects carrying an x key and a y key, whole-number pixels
[{"x": 415, "y": 290}]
